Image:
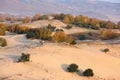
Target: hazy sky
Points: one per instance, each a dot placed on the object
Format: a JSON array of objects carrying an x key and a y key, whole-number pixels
[{"x": 115, "y": 1}]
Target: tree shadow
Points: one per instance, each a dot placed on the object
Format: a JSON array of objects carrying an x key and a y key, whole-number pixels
[
  {"x": 80, "y": 72},
  {"x": 13, "y": 57},
  {"x": 64, "y": 67}
]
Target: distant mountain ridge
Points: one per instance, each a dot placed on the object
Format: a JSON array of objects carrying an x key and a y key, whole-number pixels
[{"x": 91, "y": 8}]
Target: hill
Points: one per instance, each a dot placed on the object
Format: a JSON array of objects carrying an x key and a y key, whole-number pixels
[{"x": 92, "y": 8}]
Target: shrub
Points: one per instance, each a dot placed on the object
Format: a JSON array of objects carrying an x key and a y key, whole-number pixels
[
  {"x": 3, "y": 28},
  {"x": 73, "y": 42},
  {"x": 2, "y": 32},
  {"x": 50, "y": 27},
  {"x": 39, "y": 33},
  {"x": 26, "y": 20},
  {"x": 88, "y": 72},
  {"x": 24, "y": 58},
  {"x": 81, "y": 37},
  {"x": 70, "y": 40},
  {"x": 45, "y": 34},
  {"x": 44, "y": 17},
  {"x": 59, "y": 36},
  {"x": 16, "y": 28},
  {"x": 59, "y": 30},
  {"x": 106, "y": 34},
  {"x": 90, "y": 33},
  {"x": 73, "y": 68},
  {"x": 68, "y": 27},
  {"x": 106, "y": 50},
  {"x": 3, "y": 42}
]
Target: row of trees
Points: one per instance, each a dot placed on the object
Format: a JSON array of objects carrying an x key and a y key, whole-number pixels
[
  {"x": 80, "y": 20},
  {"x": 84, "y": 21},
  {"x": 35, "y": 18},
  {"x": 45, "y": 33}
]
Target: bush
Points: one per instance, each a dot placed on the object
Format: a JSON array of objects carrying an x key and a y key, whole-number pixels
[
  {"x": 26, "y": 20},
  {"x": 59, "y": 30},
  {"x": 24, "y": 58},
  {"x": 88, "y": 72},
  {"x": 44, "y": 17},
  {"x": 68, "y": 27},
  {"x": 16, "y": 28},
  {"x": 106, "y": 50},
  {"x": 106, "y": 34},
  {"x": 82, "y": 37},
  {"x": 39, "y": 33},
  {"x": 90, "y": 33},
  {"x": 73, "y": 42},
  {"x": 59, "y": 36},
  {"x": 3, "y": 28},
  {"x": 70, "y": 40},
  {"x": 50, "y": 27},
  {"x": 73, "y": 68},
  {"x": 3, "y": 42}
]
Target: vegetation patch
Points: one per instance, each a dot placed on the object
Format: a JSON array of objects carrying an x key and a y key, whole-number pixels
[
  {"x": 88, "y": 72},
  {"x": 3, "y": 42},
  {"x": 73, "y": 68},
  {"x": 24, "y": 58}
]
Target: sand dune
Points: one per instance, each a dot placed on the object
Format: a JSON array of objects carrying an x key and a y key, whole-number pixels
[
  {"x": 49, "y": 61},
  {"x": 43, "y": 23}
]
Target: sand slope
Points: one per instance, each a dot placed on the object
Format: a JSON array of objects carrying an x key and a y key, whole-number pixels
[{"x": 49, "y": 61}]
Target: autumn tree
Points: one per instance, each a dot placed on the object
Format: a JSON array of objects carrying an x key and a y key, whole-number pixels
[
  {"x": 66, "y": 20},
  {"x": 3, "y": 28},
  {"x": 36, "y": 17},
  {"x": 44, "y": 17},
  {"x": 110, "y": 25},
  {"x": 26, "y": 20},
  {"x": 108, "y": 34},
  {"x": 102, "y": 24},
  {"x": 94, "y": 23},
  {"x": 81, "y": 21},
  {"x": 59, "y": 16},
  {"x": 118, "y": 25}
]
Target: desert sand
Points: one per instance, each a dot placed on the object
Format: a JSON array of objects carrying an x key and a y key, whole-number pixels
[{"x": 50, "y": 60}]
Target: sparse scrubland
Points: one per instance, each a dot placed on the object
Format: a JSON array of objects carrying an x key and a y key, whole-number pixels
[{"x": 88, "y": 42}]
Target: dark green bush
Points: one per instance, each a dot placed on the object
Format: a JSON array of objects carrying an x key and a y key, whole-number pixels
[
  {"x": 90, "y": 33},
  {"x": 88, "y": 72},
  {"x": 73, "y": 68},
  {"x": 82, "y": 37},
  {"x": 24, "y": 58},
  {"x": 3, "y": 42},
  {"x": 68, "y": 27},
  {"x": 50, "y": 27},
  {"x": 73, "y": 42},
  {"x": 106, "y": 50},
  {"x": 59, "y": 30}
]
